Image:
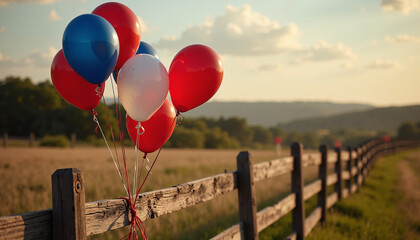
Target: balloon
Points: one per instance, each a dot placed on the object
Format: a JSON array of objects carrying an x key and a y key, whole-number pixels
[
  {"x": 195, "y": 75},
  {"x": 127, "y": 26},
  {"x": 142, "y": 86},
  {"x": 146, "y": 48},
  {"x": 90, "y": 45},
  {"x": 72, "y": 87},
  {"x": 158, "y": 129}
]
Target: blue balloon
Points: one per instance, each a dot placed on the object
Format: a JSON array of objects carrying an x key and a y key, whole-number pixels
[
  {"x": 90, "y": 45},
  {"x": 145, "y": 48}
]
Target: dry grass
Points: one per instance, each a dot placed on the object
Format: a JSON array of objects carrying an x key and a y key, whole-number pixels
[{"x": 25, "y": 175}]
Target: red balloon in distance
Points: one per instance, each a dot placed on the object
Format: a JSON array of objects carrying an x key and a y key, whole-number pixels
[
  {"x": 158, "y": 129},
  {"x": 72, "y": 87},
  {"x": 195, "y": 75},
  {"x": 127, "y": 26}
]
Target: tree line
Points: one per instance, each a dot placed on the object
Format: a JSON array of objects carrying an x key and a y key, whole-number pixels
[{"x": 38, "y": 108}]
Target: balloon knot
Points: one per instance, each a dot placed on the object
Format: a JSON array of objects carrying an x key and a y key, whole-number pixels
[
  {"x": 99, "y": 91},
  {"x": 179, "y": 118}
]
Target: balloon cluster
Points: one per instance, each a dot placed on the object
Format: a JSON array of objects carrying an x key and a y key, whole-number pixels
[{"x": 108, "y": 41}]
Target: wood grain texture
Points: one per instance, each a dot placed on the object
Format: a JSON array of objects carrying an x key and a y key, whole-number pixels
[
  {"x": 273, "y": 168},
  {"x": 311, "y": 159},
  {"x": 31, "y": 225},
  {"x": 270, "y": 214},
  {"x": 105, "y": 215}
]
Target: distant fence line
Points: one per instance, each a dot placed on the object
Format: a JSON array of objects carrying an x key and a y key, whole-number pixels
[{"x": 72, "y": 218}]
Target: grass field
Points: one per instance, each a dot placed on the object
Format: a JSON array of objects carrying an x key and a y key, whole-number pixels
[{"x": 25, "y": 175}]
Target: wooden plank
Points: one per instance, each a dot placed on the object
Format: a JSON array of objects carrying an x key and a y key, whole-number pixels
[
  {"x": 236, "y": 232},
  {"x": 273, "y": 168},
  {"x": 312, "y": 189},
  {"x": 345, "y": 157},
  {"x": 31, "y": 225},
  {"x": 105, "y": 215},
  {"x": 332, "y": 199},
  {"x": 353, "y": 188},
  {"x": 270, "y": 214},
  {"x": 68, "y": 200},
  {"x": 353, "y": 154},
  {"x": 298, "y": 213},
  {"x": 331, "y": 158},
  {"x": 246, "y": 195},
  {"x": 311, "y": 159},
  {"x": 312, "y": 220},
  {"x": 345, "y": 192},
  {"x": 345, "y": 175},
  {"x": 332, "y": 179},
  {"x": 353, "y": 171}
]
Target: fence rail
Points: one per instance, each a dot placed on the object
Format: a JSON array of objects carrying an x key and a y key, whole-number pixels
[{"x": 75, "y": 219}]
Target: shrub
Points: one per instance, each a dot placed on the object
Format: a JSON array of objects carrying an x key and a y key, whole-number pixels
[{"x": 54, "y": 141}]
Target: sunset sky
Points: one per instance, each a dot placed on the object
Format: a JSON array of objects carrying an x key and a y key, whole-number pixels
[{"x": 325, "y": 50}]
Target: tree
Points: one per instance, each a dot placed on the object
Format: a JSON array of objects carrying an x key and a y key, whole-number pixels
[
  {"x": 409, "y": 130},
  {"x": 262, "y": 135}
]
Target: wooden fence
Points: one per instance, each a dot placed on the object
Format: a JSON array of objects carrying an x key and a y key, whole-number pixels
[{"x": 72, "y": 218}]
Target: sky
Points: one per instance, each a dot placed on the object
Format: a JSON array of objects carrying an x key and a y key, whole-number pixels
[{"x": 326, "y": 50}]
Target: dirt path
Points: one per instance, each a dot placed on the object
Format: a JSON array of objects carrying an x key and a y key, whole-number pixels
[{"x": 409, "y": 189}]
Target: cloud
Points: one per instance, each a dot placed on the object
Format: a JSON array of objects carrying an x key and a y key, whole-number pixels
[
  {"x": 402, "y": 6},
  {"x": 38, "y": 59},
  {"x": 144, "y": 27},
  {"x": 6, "y": 2},
  {"x": 323, "y": 51},
  {"x": 239, "y": 31},
  {"x": 346, "y": 65},
  {"x": 54, "y": 16},
  {"x": 269, "y": 67},
  {"x": 383, "y": 64},
  {"x": 2, "y": 29},
  {"x": 402, "y": 38}
]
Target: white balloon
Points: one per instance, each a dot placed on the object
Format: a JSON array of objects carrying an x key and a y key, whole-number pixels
[{"x": 143, "y": 84}]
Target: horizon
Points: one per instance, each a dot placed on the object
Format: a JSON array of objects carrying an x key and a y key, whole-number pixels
[{"x": 353, "y": 52}]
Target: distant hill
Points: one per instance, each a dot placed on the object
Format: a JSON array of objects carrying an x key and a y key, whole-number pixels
[
  {"x": 272, "y": 113},
  {"x": 387, "y": 118}
]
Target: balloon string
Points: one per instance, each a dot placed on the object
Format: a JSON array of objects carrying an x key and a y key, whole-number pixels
[
  {"x": 151, "y": 167},
  {"x": 121, "y": 133},
  {"x": 115, "y": 148},
  {"x": 95, "y": 119}
]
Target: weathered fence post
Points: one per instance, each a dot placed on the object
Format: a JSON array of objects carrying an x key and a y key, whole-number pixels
[
  {"x": 5, "y": 140},
  {"x": 246, "y": 195},
  {"x": 68, "y": 198},
  {"x": 338, "y": 187},
  {"x": 298, "y": 213},
  {"x": 73, "y": 140},
  {"x": 348, "y": 167},
  {"x": 31, "y": 139},
  {"x": 322, "y": 174}
]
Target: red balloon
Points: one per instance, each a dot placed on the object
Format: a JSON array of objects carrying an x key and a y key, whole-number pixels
[
  {"x": 127, "y": 26},
  {"x": 158, "y": 129},
  {"x": 195, "y": 75},
  {"x": 72, "y": 87}
]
